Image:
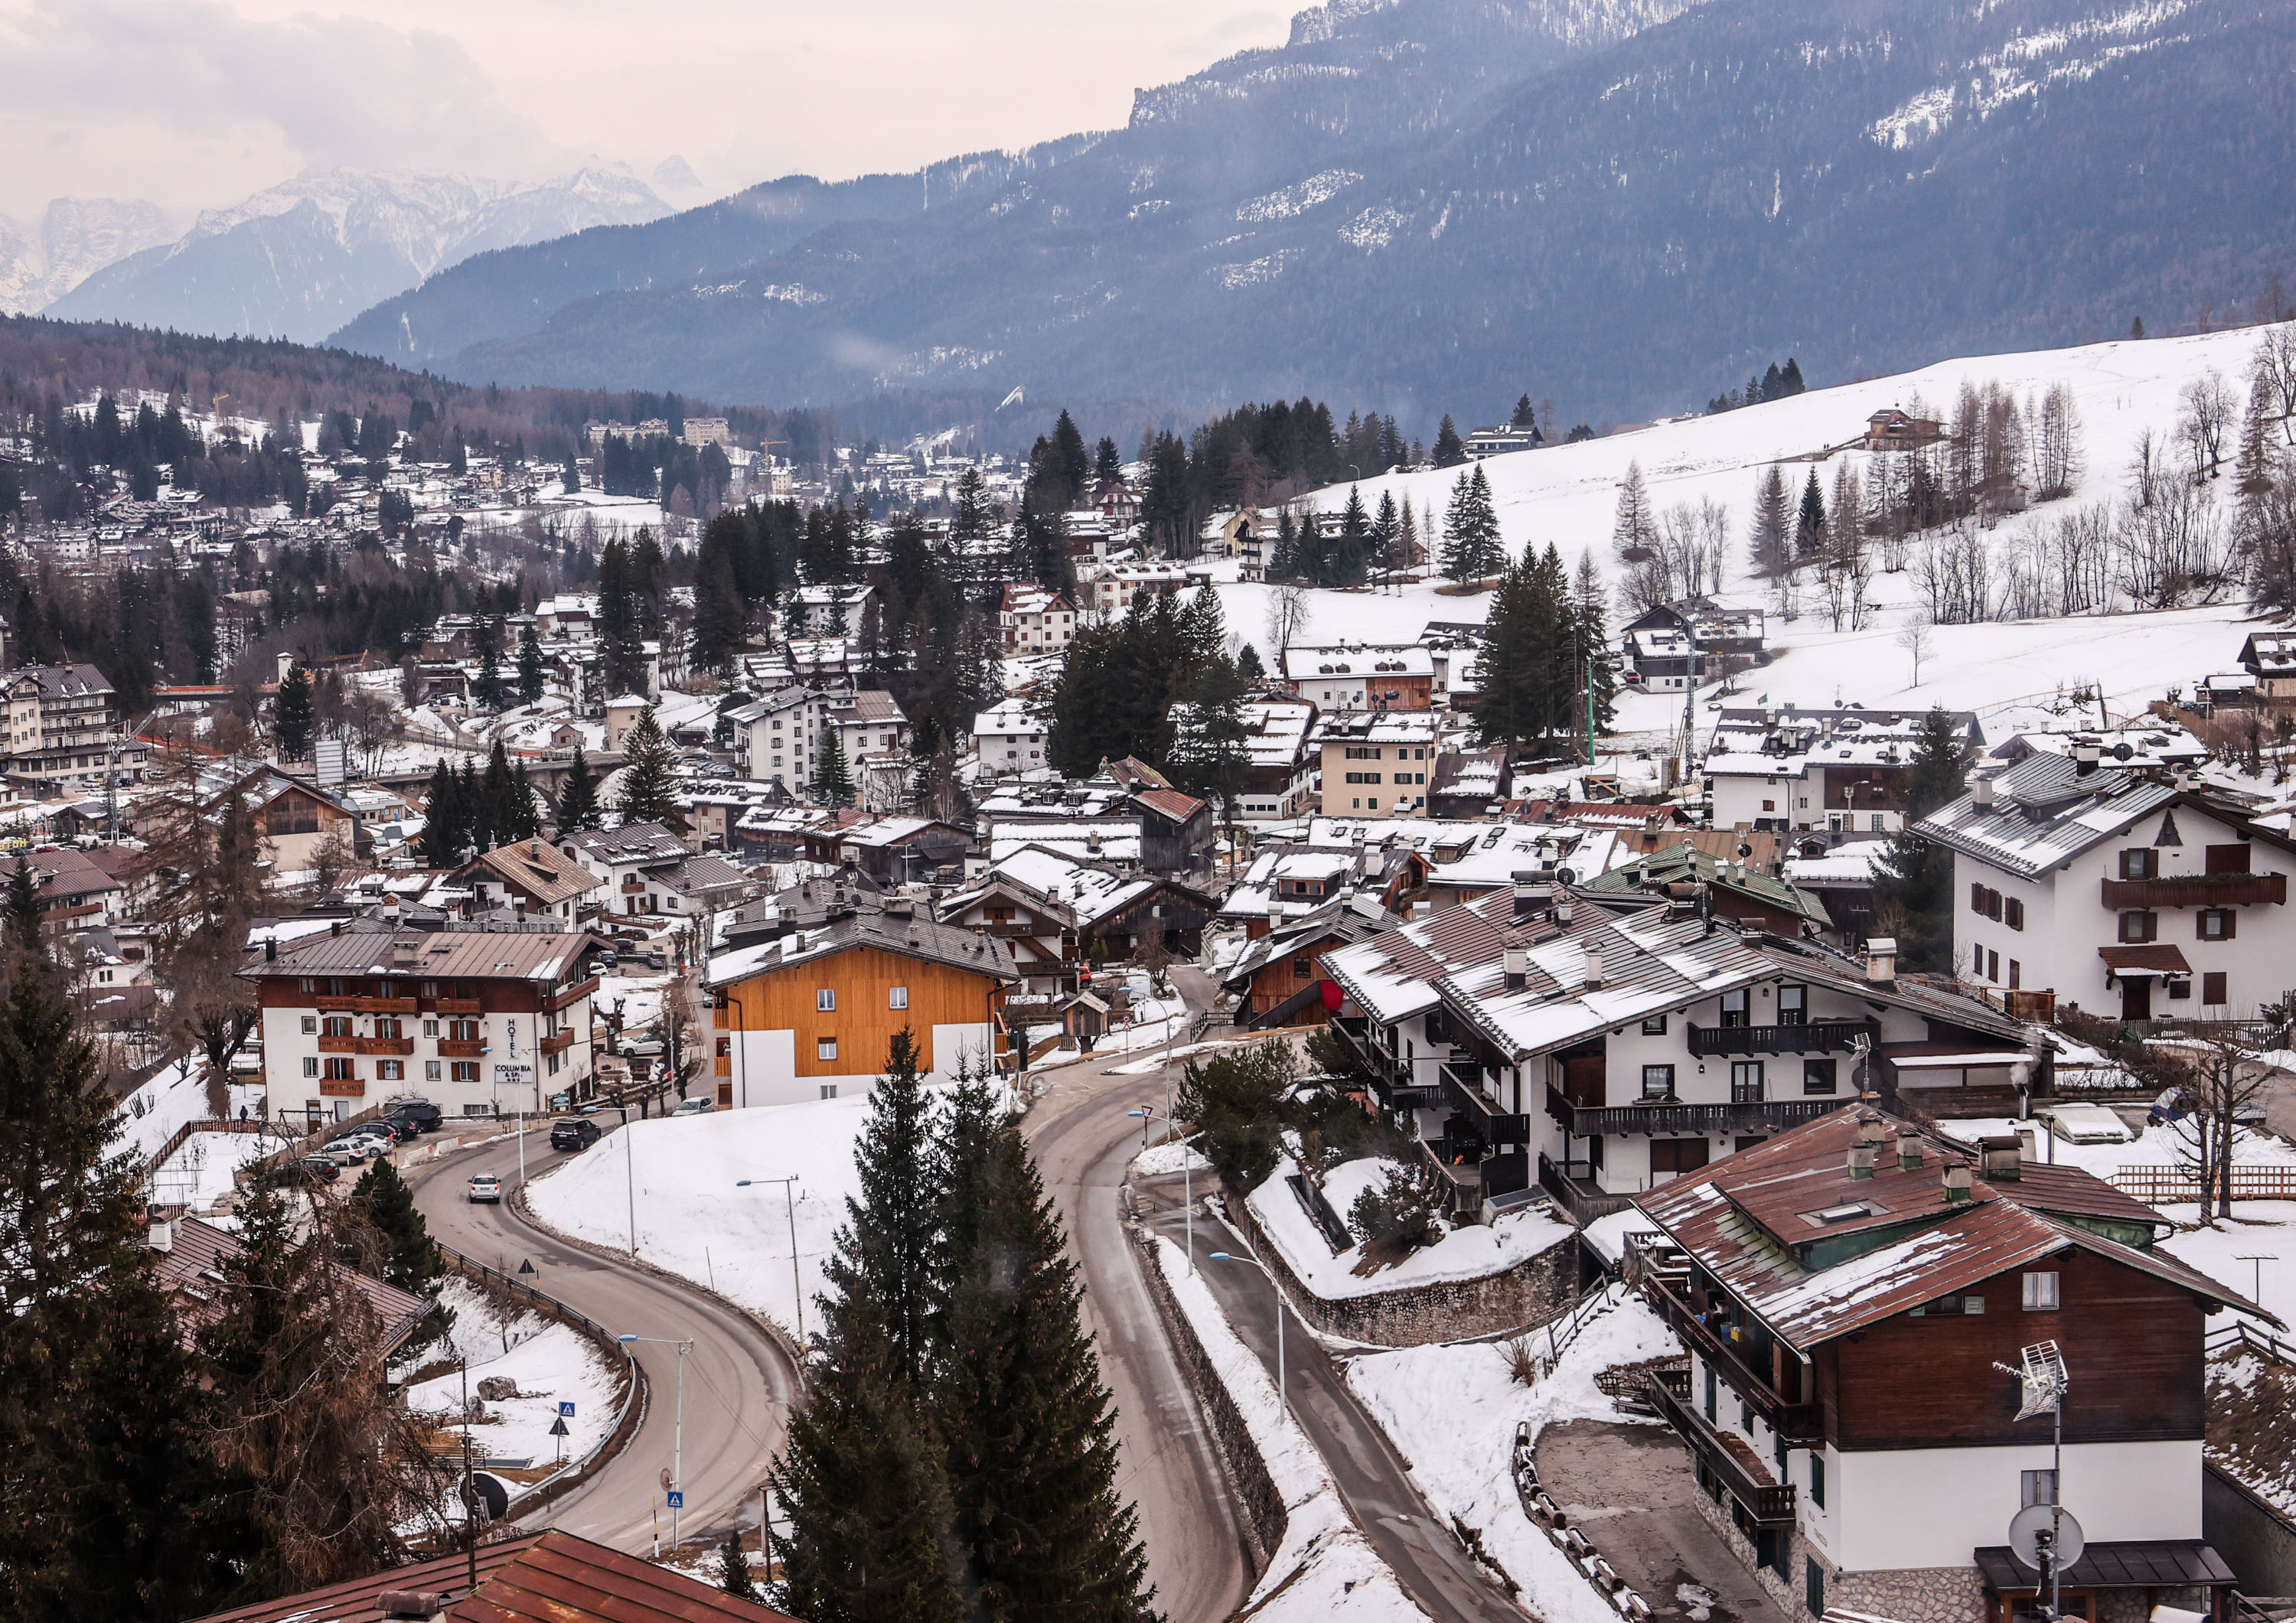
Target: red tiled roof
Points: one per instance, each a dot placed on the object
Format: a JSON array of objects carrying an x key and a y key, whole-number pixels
[{"x": 546, "y": 1577}]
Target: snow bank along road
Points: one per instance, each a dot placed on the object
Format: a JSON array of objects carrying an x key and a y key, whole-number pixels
[
  {"x": 738, "y": 1380},
  {"x": 1083, "y": 1138}
]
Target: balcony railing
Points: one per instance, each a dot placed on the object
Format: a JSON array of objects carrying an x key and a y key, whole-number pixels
[
  {"x": 1392, "y": 1076},
  {"x": 1815, "y": 1036},
  {"x": 451, "y": 1049},
  {"x": 580, "y": 989},
  {"x": 2197, "y": 890},
  {"x": 556, "y": 1044},
  {"x": 364, "y": 1005},
  {"x": 1765, "y": 1502},
  {"x": 457, "y": 1005},
  {"x": 1578, "y": 1196},
  {"x": 1753, "y": 1116},
  {"x": 1462, "y": 1084},
  {"x": 1798, "y": 1423},
  {"x": 342, "y": 1088}
]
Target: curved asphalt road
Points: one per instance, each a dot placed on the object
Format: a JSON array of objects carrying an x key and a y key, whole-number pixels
[{"x": 738, "y": 1381}]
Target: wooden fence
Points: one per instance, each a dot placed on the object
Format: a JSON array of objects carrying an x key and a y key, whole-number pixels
[{"x": 2158, "y": 1185}]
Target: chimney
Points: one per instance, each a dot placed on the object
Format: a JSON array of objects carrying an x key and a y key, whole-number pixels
[
  {"x": 1882, "y": 960},
  {"x": 1909, "y": 1150},
  {"x": 1956, "y": 1181},
  {"x": 1861, "y": 1161},
  {"x": 534, "y": 848},
  {"x": 1872, "y": 1130},
  {"x": 2086, "y": 750},
  {"x": 2002, "y": 1156},
  {"x": 270, "y": 949},
  {"x": 1532, "y": 892},
  {"x": 1565, "y": 910},
  {"x": 1980, "y": 794},
  {"x": 335, "y": 927},
  {"x": 1593, "y": 967},
  {"x": 163, "y": 1234},
  {"x": 1518, "y": 967},
  {"x": 411, "y": 1603}
]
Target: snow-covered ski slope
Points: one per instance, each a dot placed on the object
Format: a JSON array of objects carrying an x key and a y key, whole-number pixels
[{"x": 1568, "y": 494}]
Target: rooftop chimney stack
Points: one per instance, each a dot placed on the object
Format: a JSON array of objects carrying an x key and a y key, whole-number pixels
[
  {"x": 1882, "y": 960},
  {"x": 2003, "y": 1157},
  {"x": 163, "y": 1234},
  {"x": 2086, "y": 751},
  {"x": 1909, "y": 1151},
  {"x": 1956, "y": 1181},
  {"x": 1593, "y": 967},
  {"x": 1872, "y": 1130},
  {"x": 1532, "y": 891},
  {"x": 1518, "y": 967},
  {"x": 1980, "y": 794},
  {"x": 1861, "y": 1161}
]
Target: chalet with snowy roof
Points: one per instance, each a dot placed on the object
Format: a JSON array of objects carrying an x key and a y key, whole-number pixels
[
  {"x": 1853, "y": 1294},
  {"x": 530, "y": 878},
  {"x": 1468, "y": 783},
  {"x": 890, "y": 850},
  {"x": 781, "y": 736},
  {"x": 1377, "y": 761},
  {"x": 820, "y": 611},
  {"x": 1175, "y": 831},
  {"x": 2126, "y": 891},
  {"x": 1060, "y": 915},
  {"x": 1735, "y": 889},
  {"x": 2270, "y": 657},
  {"x": 1282, "y": 774},
  {"x": 1274, "y": 982},
  {"x": 63, "y": 722},
  {"x": 1840, "y": 771},
  {"x": 1535, "y": 1036},
  {"x": 1500, "y": 438},
  {"x": 810, "y": 1014},
  {"x": 1672, "y": 645},
  {"x": 1009, "y": 739},
  {"x": 1032, "y": 620},
  {"x": 1362, "y": 676}
]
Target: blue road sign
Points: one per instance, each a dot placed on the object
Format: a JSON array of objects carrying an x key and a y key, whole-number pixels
[
  {"x": 567, "y": 1409},
  {"x": 676, "y": 1500}
]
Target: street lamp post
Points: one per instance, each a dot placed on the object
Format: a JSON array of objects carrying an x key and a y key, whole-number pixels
[
  {"x": 796, "y": 1280},
  {"x": 677, "y": 1436},
  {"x": 1282, "y": 1397}
]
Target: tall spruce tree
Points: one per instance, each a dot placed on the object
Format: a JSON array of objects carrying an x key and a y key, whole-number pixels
[
  {"x": 1472, "y": 547},
  {"x": 1525, "y": 651},
  {"x": 1913, "y": 882},
  {"x": 1769, "y": 538},
  {"x": 577, "y": 797},
  {"x": 1450, "y": 450},
  {"x": 720, "y": 618},
  {"x": 1026, "y": 1425},
  {"x": 649, "y": 787},
  {"x": 408, "y": 1258},
  {"x": 530, "y": 664},
  {"x": 292, "y": 715},
  {"x": 621, "y": 635},
  {"x": 446, "y": 819},
  {"x": 833, "y": 783},
  {"x": 1809, "y": 520},
  {"x": 1590, "y": 631},
  {"x": 113, "y": 1506},
  {"x": 23, "y": 910}
]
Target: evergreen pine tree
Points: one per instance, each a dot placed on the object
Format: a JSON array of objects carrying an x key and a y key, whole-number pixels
[
  {"x": 291, "y": 715},
  {"x": 112, "y": 1503},
  {"x": 1913, "y": 882},
  {"x": 577, "y": 797},
  {"x": 490, "y": 690},
  {"x": 1386, "y": 532},
  {"x": 1026, "y": 1424},
  {"x": 530, "y": 664},
  {"x": 1769, "y": 540},
  {"x": 1590, "y": 628},
  {"x": 1450, "y": 450},
  {"x": 525, "y": 818},
  {"x": 1524, "y": 416},
  {"x": 1345, "y": 560},
  {"x": 621, "y": 639},
  {"x": 23, "y": 911},
  {"x": 408, "y": 1259},
  {"x": 885, "y": 1248},
  {"x": 497, "y": 804},
  {"x": 1510, "y": 703},
  {"x": 1248, "y": 663},
  {"x": 833, "y": 783},
  {"x": 1809, "y": 522},
  {"x": 649, "y": 790},
  {"x": 1790, "y": 378},
  {"x": 445, "y": 819},
  {"x": 1633, "y": 528},
  {"x": 720, "y": 620},
  {"x": 1472, "y": 547},
  {"x": 733, "y": 1575}
]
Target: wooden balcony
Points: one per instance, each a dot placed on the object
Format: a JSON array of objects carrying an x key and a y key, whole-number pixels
[
  {"x": 1462, "y": 1087},
  {"x": 2198, "y": 890},
  {"x": 449, "y": 1049},
  {"x": 1578, "y": 1196},
  {"x": 457, "y": 1005},
  {"x": 1391, "y": 1078},
  {"x": 392, "y": 1045},
  {"x": 558, "y": 1000},
  {"x": 1814, "y": 1037},
  {"x": 553, "y": 1044},
  {"x": 1765, "y": 1502},
  {"x": 1799, "y": 1424},
  {"x": 342, "y": 1088},
  {"x": 364, "y": 1005},
  {"x": 1755, "y": 1116}
]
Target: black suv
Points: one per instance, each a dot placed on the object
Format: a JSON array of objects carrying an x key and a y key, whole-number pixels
[
  {"x": 417, "y": 1115},
  {"x": 573, "y": 1133}
]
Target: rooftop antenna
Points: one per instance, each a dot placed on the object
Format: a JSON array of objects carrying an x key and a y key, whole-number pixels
[{"x": 2045, "y": 1537}]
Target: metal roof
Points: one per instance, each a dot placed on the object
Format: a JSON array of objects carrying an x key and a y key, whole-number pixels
[
  {"x": 192, "y": 1270},
  {"x": 436, "y": 954},
  {"x": 2045, "y": 811},
  {"x": 2167, "y": 1563},
  {"x": 546, "y": 1577}
]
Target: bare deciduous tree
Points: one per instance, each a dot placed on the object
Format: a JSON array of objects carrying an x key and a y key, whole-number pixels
[
  {"x": 1915, "y": 639},
  {"x": 1288, "y": 613},
  {"x": 2210, "y": 411},
  {"x": 2216, "y": 1081}
]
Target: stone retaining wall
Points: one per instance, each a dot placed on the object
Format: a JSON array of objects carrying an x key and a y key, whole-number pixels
[
  {"x": 1909, "y": 1594},
  {"x": 1528, "y": 1294},
  {"x": 1254, "y": 1490}
]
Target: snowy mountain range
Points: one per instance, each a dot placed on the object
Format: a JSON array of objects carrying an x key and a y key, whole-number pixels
[
  {"x": 74, "y": 237},
  {"x": 297, "y": 261},
  {"x": 1434, "y": 205}
]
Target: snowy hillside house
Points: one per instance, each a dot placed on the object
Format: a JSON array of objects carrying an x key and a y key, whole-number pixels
[
  {"x": 1274, "y": 982},
  {"x": 531, "y": 879},
  {"x": 1058, "y": 913},
  {"x": 1239, "y": 533},
  {"x": 1852, "y": 1294},
  {"x": 1283, "y": 771},
  {"x": 1377, "y": 762},
  {"x": 1361, "y": 676},
  {"x": 780, "y": 737},
  {"x": 1500, "y": 438},
  {"x": 1892, "y": 430},
  {"x": 1840, "y": 771},
  {"x": 63, "y": 722},
  {"x": 1009, "y": 739},
  {"x": 1030, "y": 620},
  {"x": 820, "y": 611},
  {"x": 1659, "y": 653},
  {"x": 646, "y": 871},
  {"x": 1534, "y": 1035},
  {"x": 810, "y": 1015},
  {"x": 2270, "y": 657},
  {"x": 479, "y": 1022},
  {"x": 2119, "y": 890}
]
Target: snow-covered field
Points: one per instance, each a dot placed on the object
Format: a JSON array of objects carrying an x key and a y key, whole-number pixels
[
  {"x": 551, "y": 1365},
  {"x": 171, "y": 1098},
  {"x": 1463, "y": 1253},
  {"x": 1453, "y": 1410},
  {"x": 1569, "y": 494},
  {"x": 200, "y": 1172},
  {"x": 1324, "y": 1569},
  {"x": 682, "y": 1176}
]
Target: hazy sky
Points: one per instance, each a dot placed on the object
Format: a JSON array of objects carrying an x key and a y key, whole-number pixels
[{"x": 195, "y": 104}]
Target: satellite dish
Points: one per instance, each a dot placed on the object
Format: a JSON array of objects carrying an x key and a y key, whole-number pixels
[
  {"x": 1745, "y": 849},
  {"x": 2036, "y": 1524},
  {"x": 1565, "y": 876},
  {"x": 2122, "y": 751}
]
